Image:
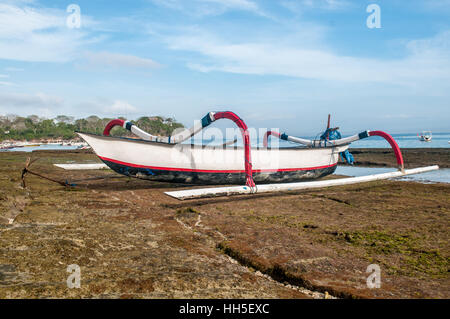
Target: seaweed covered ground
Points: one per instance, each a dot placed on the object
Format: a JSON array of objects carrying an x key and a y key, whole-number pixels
[
  {"x": 130, "y": 240},
  {"x": 413, "y": 157}
]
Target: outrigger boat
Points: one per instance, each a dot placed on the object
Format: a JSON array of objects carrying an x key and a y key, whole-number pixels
[
  {"x": 167, "y": 159},
  {"x": 425, "y": 136}
]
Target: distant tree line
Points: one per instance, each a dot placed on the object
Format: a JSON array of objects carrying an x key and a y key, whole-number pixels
[{"x": 33, "y": 127}]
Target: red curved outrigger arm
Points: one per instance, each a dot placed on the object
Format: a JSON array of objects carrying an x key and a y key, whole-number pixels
[
  {"x": 208, "y": 119},
  {"x": 246, "y": 138},
  {"x": 394, "y": 145},
  {"x": 386, "y": 136},
  {"x": 267, "y": 134},
  {"x": 111, "y": 124}
]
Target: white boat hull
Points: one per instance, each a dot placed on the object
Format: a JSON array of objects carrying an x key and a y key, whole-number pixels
[
  {"x": 211, "y": 165},
  {"x": 425, "y": 139}
]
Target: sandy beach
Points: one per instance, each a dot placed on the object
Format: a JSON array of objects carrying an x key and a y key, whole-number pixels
[{"x": 130, "y": 240}]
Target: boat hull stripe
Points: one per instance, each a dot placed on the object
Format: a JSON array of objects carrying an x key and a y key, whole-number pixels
[{"x": 213, "y": 171}]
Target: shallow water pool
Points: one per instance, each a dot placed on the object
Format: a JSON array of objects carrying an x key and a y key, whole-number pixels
[{"x": 440, "y": 176}]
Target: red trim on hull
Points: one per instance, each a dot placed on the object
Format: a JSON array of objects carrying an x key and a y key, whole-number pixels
[{"x": 214, "y": 171}]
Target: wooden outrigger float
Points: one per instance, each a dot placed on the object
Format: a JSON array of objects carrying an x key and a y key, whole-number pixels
[
  {"x": 265, "y": 188},
  {"x": 167, "y": 159}
]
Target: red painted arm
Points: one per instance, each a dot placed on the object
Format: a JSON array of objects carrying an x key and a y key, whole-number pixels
[
  {"x": 393, "y": 144},
  {"x": 266, "y": 137},
  {"x": 246, "y": 137},
  {"x": 111, "y": 124}
]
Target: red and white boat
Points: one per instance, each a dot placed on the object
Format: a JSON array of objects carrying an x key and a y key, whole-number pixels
[{"x": 167, "y": 159}]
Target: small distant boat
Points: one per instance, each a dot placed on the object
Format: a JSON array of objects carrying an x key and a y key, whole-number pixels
[{"x": 425, "y": 136}]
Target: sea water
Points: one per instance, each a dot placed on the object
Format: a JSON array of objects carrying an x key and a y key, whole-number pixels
[
  {"x": 439, "y": 140},
  {"x": 42, "y": 147},
  {"x": 440, "y": 176}
]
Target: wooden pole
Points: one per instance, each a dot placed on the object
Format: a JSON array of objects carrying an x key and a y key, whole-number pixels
[{"x": 328, "y": 126}]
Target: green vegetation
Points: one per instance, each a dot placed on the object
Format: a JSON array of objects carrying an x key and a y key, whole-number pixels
[
  {"x": 415, "y": 258},
  {"x": 186, "y": 212},
  {"x": 13, "y": 127}
]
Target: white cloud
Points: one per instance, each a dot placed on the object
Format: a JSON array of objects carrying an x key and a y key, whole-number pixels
[
  {"x": 436, "y": 4},
  {"x": 119, "y": 60},
  {"x": 236, "y": 4},
  {"x": 298, "y": 6},
  {"x": 16, "y": 2},
  {"x": 210, "y": 7},
  {"x": 325, "y": 4},
  {"x": 426, "y": 59},
  {"x": 4, "y": 76},
  {"x": 171, "y": 4},
  {"x": 28, "y": 33},
  {"x": 25, "y": 103},
  {"x": 12, "y": 69},
  {"x": 16, "y": 22},
  {"x": 121, "y": 107},
  {"x": 6, "y": 83},
  {"x": 50, "y": 105},
  {"x": 107, "y": 107},
  {"x": 397, "y": 116}
]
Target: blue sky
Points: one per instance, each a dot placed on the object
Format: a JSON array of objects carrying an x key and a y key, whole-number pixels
[{"x": 278, "y": 64}]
